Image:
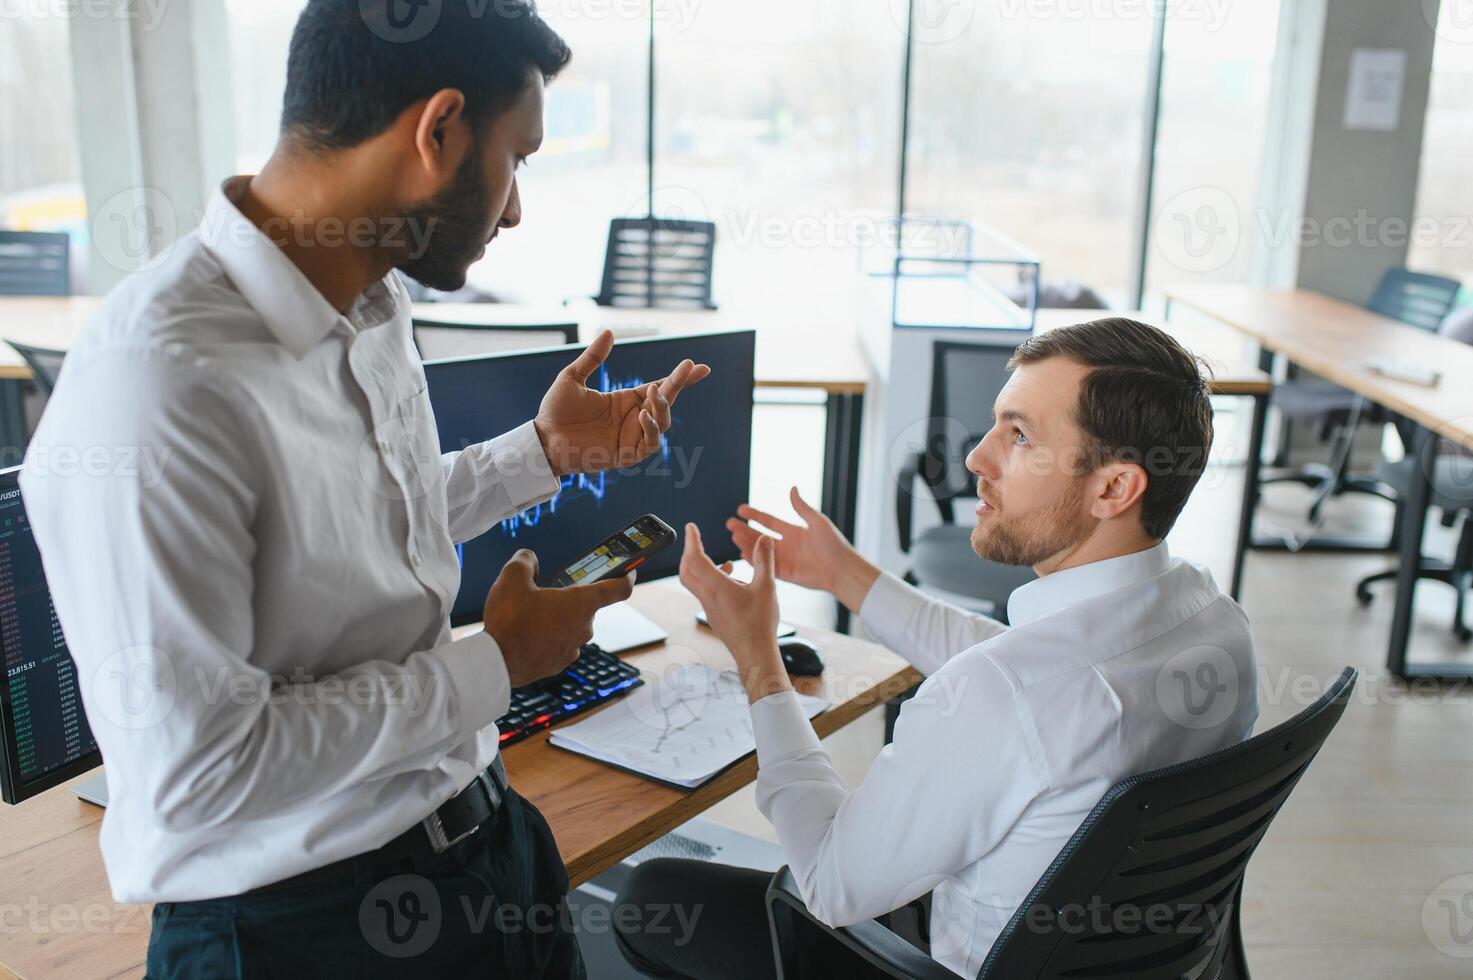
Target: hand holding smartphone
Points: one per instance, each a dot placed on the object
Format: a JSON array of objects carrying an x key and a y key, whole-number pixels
[{"x": 618, "y": 554}]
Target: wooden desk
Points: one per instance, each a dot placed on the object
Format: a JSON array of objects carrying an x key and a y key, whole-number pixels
[
  {"x": 1337, "y": 340},
  {"x": 1234, "y": 373},
  {"x": 57, "y": 917}
]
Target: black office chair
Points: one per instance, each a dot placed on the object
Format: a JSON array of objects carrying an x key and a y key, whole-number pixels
[
  {"x": 1452, "y": 493},
  {"x": 658, "y": 262},
  {"x": 965, "y": 381},
  {"x": 44, "y": 362},
  {"x": 437, "y": 340},
  {"x": 35, "y": 263},
  {"x": 1415, "y": 298},
  {"x": 1174, "y": 842}
]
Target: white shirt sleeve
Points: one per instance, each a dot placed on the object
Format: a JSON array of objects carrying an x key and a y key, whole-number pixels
[
  {"x": 491, "y": 481},
  {"x": 152, "y": 574},
  {"x": 921, "y": 628},
  {"x": 929, "y": 805}
]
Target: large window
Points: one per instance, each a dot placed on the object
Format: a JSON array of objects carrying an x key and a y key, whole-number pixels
[
  {"x": 40, "y": 174},
  {"x": 780, "y": 122},
  {"x": 592, "y": 164},
  {"x": 260, "y": 33},
  {"x": 1442, "y": 234},
  {"x": 1209, "y": 144},
  {"x": 1027, "y": 121}
]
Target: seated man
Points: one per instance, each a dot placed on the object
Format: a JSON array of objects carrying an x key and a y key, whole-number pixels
[{"x": 1118, "y": 659}]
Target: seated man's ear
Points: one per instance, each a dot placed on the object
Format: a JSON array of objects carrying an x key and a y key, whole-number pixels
[{"x": 1116, "y": 488}]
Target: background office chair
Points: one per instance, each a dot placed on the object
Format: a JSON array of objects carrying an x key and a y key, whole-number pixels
[
  {"x": 35, "y": 263},
  {"x": 1415, "y": 298},
  {"x": 438, "y": 340},
  {"x": 1452, "y": 493},
  {"x": 1178, "y": 838},
  {"x": 45, "y": 365},
  {"x": 965, "y": 381},
  {"x": 658, "y": 262}
]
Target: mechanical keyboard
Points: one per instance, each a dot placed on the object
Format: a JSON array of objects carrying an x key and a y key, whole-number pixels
[{"x": 595, "y": 677}]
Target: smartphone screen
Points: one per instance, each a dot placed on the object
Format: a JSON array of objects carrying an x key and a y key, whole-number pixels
[{"x": 625, "y": 549}]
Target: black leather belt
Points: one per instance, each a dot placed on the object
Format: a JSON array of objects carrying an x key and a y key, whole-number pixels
[{"x": 455, "y": 820}]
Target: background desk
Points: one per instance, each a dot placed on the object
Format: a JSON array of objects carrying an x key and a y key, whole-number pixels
[
  {"x": 1336, "y": 340},
  {"x": 59, "y": 918}
]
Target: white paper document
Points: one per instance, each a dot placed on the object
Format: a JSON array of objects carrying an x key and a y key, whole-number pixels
[{"x": 682, "y": 728}]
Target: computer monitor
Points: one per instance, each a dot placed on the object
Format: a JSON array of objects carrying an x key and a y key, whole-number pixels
[
  {"x": 701, "y": 473},
  {"x": 46, "y": 739}
]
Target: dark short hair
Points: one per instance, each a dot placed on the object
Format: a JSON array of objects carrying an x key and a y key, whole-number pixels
[
  {"x": 356, "y": 65},
  {"x": 1144, "y": 401}
]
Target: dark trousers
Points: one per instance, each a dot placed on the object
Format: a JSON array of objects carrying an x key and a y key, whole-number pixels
[
  {"x": 727, "y": 934},
  {"x": 491, "y": 906}
]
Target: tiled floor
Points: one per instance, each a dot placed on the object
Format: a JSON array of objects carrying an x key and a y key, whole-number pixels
[{"x": 1360, "y": 875}]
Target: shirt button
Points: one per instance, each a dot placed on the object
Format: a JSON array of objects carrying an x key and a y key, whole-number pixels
[
  {"x": 416, "y": 559},
  {"x": 383, "y": 446}
]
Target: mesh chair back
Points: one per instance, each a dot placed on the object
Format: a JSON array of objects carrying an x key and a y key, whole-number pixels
[
  {"x": 965, "y": 382},
  {"x": 438, "y": 341},
  {"x": 35, "y": 263},
  {"x": 1417, "y": 298},
  {"x": 45, "y": 364},
  {"x": 658, "y": 262},
  {"x": 1148, "y": 887}
]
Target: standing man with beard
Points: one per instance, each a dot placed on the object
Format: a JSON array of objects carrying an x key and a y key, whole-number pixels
[
  {"x": 302, "y": 764},
  {"x": 1101, "y": 434}
]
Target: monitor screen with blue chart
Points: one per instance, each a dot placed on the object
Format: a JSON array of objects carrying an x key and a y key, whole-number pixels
[{"x": 700, "y": 473}]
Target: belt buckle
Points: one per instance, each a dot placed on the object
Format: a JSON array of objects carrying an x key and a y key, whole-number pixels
[{"x": 435, "y": 830}]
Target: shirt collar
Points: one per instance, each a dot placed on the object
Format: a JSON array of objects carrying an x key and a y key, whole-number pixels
[
  {"x": 291, "y": 306},
  {"x": 1048, "y": 594}
]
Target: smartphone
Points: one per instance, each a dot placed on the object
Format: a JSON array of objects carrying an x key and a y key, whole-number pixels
[{"x": 620, "y": 552}]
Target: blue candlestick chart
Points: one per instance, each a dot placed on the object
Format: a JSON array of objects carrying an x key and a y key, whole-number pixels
[{"x": 575, "y": 486}]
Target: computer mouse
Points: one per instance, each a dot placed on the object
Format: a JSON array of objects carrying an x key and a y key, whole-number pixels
[{"x": 800, "y": 657}]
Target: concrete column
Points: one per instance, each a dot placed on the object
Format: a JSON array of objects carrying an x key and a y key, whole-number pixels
[{"x": 1336, "y": 204}]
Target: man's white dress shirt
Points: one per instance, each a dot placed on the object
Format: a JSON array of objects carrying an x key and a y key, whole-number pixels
[
  {"x": 249, "y": 532},
  {"x": 1108, "y": 670}
]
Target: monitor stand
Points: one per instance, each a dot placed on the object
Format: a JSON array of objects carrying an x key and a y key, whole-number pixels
[{"x": 93, "y": 791}]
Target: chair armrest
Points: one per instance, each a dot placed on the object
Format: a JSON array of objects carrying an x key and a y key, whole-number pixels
[
  {"x": 870, "y": 940},
  {"x": 905, "y": 483}
]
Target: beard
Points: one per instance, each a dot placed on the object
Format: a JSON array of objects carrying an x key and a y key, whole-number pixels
[
  {"x": 1032, "y": 538},
  {"x": 452, "y": 228}
]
